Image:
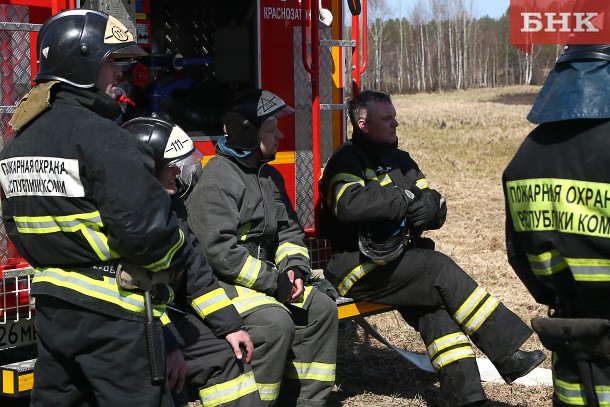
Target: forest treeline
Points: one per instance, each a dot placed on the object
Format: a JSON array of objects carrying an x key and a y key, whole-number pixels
[{"x": 441, "y": 45}]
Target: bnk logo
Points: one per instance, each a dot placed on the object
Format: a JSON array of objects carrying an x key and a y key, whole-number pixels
[{"x": 559, "y": 22}]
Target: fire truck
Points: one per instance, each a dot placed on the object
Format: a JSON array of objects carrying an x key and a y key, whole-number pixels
[{"x": 200, "y": 53}]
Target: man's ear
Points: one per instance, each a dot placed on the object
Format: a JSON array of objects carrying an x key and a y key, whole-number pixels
[{"x": 362, "y": 125}]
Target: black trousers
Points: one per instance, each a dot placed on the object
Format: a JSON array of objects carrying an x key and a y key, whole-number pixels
[
  {"x": 91, "y": 359},
  {"x": 449, "y": 309}
]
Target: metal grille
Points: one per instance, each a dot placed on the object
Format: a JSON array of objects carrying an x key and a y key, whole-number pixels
[
  {"x": 303, "y": 159},
  {"x": 15, "y": 300},
  {"x": 319, "y": 252},
  {"x": 15, "y": 64},
  {"x": 14, "y": 83}
]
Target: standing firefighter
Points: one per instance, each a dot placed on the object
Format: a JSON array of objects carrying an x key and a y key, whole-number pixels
[
  {"x": 207, "y": 322},
  {"x": 243, "y": 217},
  {"x": 557, "y": 191},
  {"x": 80, "y": 195},
  {"x": 376, "y": 203}
]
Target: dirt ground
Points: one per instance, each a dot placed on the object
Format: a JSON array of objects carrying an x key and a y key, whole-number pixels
[{"x": 462, "y": 141}]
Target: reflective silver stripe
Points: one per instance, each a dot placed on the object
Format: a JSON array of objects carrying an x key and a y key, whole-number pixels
[
  {"x": 324, "y": 372},
  {"x": 385, "y": 180},
  {"x": 469, "y": 305},
  {"x": 105, "y": 290},
  {"x": 481, "y": 315},
  {"x": 167, "y": 259},
  {"x": 445, "y": 342},
  {"x": 451, "y": 356},
  {"x": 370, "y": 174},
  {"x": 590, "y": 270},
  {"x": 287, "y": 249},
  {"x": 247, "y": 300},
  {"x": 574, "y": 393},
  {"x": 422, "y": 183},
  {"x": 249, "y": 272},
  {"x": 546, "y": 264},
  {"x": 268, "y": 392},
  {"x": 211, "y": 302},
  {"x": 226, "y": 392},
  {"x": 356, "y": 274}
]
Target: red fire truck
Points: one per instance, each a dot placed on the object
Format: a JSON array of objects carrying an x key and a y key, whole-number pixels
[{"x": 201, "y": 51}]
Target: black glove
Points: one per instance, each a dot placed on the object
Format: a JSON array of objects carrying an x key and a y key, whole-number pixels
[
  {"x": 425, "y": 209},
  {"x": 441, "y": 214}
]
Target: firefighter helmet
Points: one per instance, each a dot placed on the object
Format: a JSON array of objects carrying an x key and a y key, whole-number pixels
[
  {"x": 171, "y": 146},
  {"x": 380, "y": 245},
  {"x": 583, "y": 52},
  {"x": 247, "y": 111},
  {"x": 73, "y": 44}
]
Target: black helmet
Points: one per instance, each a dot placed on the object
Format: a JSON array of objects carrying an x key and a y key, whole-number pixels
[
  {"x": 73, "y": 44},
  {"x": 380, "y": 245},
  {"x": 170, "y": 145},
  {"x": 583, "y": 52},
  {"x": 247, "y": 111}
]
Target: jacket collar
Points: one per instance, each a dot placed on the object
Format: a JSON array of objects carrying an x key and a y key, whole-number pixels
[{"x": 92, "y": 99}]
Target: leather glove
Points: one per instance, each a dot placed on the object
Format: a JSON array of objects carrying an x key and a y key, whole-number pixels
[
  {"x": 130, "y": 276},
  {"x": 441, "y": 214},
  {"x": 425, "y": 209},
  {"x": 284, "y": 285}
]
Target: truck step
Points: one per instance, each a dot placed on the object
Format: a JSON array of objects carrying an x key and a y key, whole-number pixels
[{"x": 18, "y": 378}]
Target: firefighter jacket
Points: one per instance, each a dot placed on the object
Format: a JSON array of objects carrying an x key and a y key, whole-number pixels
[
  {"x": 557, "y": 193},
  {"x": 199, "y": 293},
  {"x": 245, "y": 222},
  {"x": 356, "y": 188},
  {"x": 79, "y": 194}
]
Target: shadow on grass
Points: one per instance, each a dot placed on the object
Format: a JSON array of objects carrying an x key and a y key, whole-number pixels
[
  {"x": 379, "y": 377},
  {"x": 523, "y": 98}
]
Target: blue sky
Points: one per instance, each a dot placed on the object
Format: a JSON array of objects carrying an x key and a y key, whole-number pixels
[{"x": 492, "y": 8}]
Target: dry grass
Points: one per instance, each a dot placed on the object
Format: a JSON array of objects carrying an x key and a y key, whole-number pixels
[{"x": 462, "y": 141}]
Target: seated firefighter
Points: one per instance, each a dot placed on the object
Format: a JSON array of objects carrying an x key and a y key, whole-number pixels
[
  {"x": 210, "y": 332},
  {"x": 375, "y": 204},
  {"x": 241, "y": 213}
]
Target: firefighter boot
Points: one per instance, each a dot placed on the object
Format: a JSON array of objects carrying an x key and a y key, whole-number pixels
[{"x": 519, "y": 364}]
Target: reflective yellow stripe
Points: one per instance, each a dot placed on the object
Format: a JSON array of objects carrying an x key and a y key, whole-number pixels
[
  {"x": 228, "y": 391},
  {"x": 211, "y": 302},
  {"x": 445, "y": 342},
  {"x": 567, "y": 206},
  {"x": 548, "y": 263},
  {"x": 301, "y": 301},
  {"x": 451, "y": 356},
  {"x": 324, "y": 372},
  {"x": 287, "y": 249},
  {"x": 574, "y": 393},
  {"x": 167, "y": 259},
  {"x": 551, "y": 262},
  {"x": 422, "y": 183},
  {"x": 247, "y": 300},
  {"x": 370, "y": 174},
  {"x": 243, "y": 233},
  {"x": 268, "y": 392},
  {"x": 469, "y": 305},
  {"x": 339, "y": 183},
  {"x": 353, "y": 276},
  {"x": 385, "y": 180},
  {"x": 165, "y": 319},
  {"x": 249, "y": 272},
  {"x": 481, "y": 315},
  {"x": 105, "y": 290},
  {"x": 339, "y": 190},
  {"x": 88, "y": 224}
]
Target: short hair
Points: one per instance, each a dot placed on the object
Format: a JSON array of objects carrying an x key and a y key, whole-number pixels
[{"x": 360, "y": 103}]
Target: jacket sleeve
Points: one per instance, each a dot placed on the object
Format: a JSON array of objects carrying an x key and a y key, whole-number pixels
[
  {"x": 292, "y": 252},
  {"x": 517, "y": 258},
  {"x": 352, "y": 198},
  {"x": 214, "y": 217},
  {"x": 207, "y": 299},
  {"x": 136, "y": 208}
]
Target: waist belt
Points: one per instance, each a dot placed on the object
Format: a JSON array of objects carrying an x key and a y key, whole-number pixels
[{"x": 256, "y": 250}]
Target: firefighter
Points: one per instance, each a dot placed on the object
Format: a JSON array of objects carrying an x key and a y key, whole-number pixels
[
  {"x": 375, "y": 204},
  {"x": 557, "y": 211},
  {"x": 207, "y": 323},
  {"x": 80, "y": 195},
  {"x": 252, "y": 238}
]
